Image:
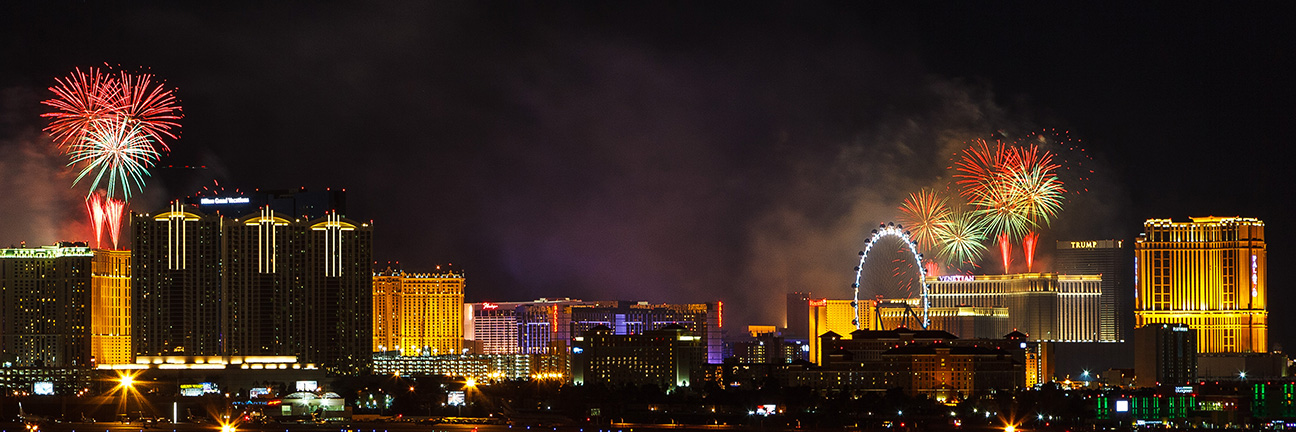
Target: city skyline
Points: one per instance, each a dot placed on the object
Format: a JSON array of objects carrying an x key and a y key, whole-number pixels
[{"x": 727, "y": 153}]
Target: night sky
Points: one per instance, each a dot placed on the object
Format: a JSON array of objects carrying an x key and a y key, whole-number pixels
[{"x": 670, "y": 151}]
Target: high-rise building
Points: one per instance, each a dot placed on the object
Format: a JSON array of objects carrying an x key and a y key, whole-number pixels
[
  {"x": 1114, "y": 261},
  {"x": 1210, "y": 274},
  {"x": 704, "y": 320},
  {"x": 547, "y": 326},
  {"x": 1045, "y": 306},
  {"x": 45, "y": 294},
  {"x": 798, "y": 318},
  {"x": 265, "y": 283},
  {"x": 1165, "y": 354},
  {"x": 110, "y": 310},
  {"x": 535, "y": 327},
  {"x": 418, "y": 314},
  {"x": 667, "y": 357},
  {"x": 837, "y": 316}
]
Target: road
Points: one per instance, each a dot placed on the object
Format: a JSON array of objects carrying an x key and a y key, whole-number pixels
[{"x": 354, "y": 427}]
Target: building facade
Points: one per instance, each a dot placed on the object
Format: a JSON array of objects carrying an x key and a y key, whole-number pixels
[
  {"x": 536, "y": 327},
  {"x": 837, "y": 316},
  {"x": 265, "y": 283},
  {"x": 1114, "y": 261},
  {"x": 798, "y": 318},
  {"x": 933, "y": 363},
  {"x": 1045, "y": 306},
  {"x": 1211, "y": 274},
  {"x": 418, "y": 314},
  {"x": 703, "y": 320},
  {"x": 1165, "y": 354},
  {"x": 46, "y": 296},
  {"x": 110, "y": 310},
  {"x": 481, "y": 367},
  {"x": 666, "y": 357}
]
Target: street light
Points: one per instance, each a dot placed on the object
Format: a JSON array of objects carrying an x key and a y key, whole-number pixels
[{"x": 126, "y": 384}]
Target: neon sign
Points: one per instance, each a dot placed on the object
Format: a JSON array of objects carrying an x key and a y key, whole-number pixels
[
  {"x": 1254, "y": 276},
  {"x": 819, "y": 303},
  {"x": 1084, "y": 244},
  {"x": 956, "y": 278},
  {"x": 489, "y": 306},
  {"x": 237, "y": 200}
]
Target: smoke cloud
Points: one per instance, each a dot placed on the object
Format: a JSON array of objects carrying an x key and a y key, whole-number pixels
[{"x": 39, "y": 207}]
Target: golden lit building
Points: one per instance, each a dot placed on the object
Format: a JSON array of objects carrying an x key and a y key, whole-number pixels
[
  {"x": 1210, "y": 274},
  {"x": 418, "y": 314},
  {"x": 837, "y": 316},
  {"x": 110, "y": 304},
  {"x": 1045, "y": 306}
]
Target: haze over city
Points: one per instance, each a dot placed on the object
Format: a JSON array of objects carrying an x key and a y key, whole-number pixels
[{"x": 682, "y": 152}]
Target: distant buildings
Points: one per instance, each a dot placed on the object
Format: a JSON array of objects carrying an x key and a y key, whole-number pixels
[
  {"x": 265, "y": 283},
  {"x": 537, "y": 327},
  {"x": 931, "y": 363},
  {"x": 703, "y": 320},
  {"x": 1112, "y": 260},
  {"x": 1211, "y": 274},
  {"x": 418, "y": 314},
  {"x": 476, "y": 366},
  {"x": 1045, "y": 306}
]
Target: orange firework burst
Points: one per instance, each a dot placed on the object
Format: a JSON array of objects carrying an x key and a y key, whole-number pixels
[{"x": 925, "y": 213}]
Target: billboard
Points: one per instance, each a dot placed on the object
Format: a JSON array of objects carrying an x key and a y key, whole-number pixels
[
  {"x": 455, "y": 398},
  {"x": 308, "y": 386},
  {"x": 191, "y": 390},
  {"x": 43, "y": 388}
]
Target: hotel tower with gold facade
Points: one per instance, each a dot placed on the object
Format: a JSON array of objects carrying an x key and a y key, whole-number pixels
[
  {"x": 418, "y": 314},
  {"x": 1210, "y": 274},
  {"x": 110, "y": 307}
]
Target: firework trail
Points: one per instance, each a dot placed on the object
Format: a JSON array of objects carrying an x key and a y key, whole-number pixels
[
  {"x": 1028, "y": 245},
  {"x": 94, "y": 206},
  {"x": 925, "y": 213},
  {"x": 1005, "y": 250},
  {"x": 113, "y": 209}
]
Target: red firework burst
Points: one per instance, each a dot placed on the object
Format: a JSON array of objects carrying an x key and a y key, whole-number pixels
[
  {"x": 154, "y": 107},
  {"x": 80, "y": 99}
]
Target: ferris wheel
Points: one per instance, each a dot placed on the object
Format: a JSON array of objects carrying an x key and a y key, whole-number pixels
[{"x": 891, "y": 272}]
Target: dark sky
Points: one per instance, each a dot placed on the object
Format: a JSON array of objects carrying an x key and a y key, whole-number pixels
[{"x": 670, "y": 151}]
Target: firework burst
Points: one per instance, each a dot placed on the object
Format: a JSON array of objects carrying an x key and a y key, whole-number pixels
[
  {"x": 81, "y": 99},
  {"x": 119, "y": 153},
  {"x": 112, "y": 125},
  {"x": 962, "y": 239},
  {"x": 925, "y": 213},
  {"x": 153, "y": 108}
]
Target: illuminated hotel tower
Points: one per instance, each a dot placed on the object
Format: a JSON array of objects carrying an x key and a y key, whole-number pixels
[
  {"x": 45, "y": 294},
  {"x": 272, "y": 282},
  {"x": 418, "y": 314},
  {"x": 1209, "y": 274},
  {"x": 110, "y": 307}
]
